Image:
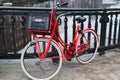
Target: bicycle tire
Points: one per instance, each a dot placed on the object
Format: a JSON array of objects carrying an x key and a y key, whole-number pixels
[
  {"x": 37, "y": 69},
  {"x": 87, "y": 56}
]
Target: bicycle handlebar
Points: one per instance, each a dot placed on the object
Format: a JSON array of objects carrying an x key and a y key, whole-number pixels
[{"x": 62, "y": 4}]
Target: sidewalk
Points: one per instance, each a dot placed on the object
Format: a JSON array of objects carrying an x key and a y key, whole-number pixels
[{"x": 106, "y": 67}]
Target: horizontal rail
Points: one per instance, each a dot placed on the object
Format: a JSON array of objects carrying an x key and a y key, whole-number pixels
[{"x": 58, "y": 9}]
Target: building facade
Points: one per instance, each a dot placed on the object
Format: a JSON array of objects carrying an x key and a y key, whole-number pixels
[
  {"x": 50, "y": 3},
  {"x": 86, "y": 3}
]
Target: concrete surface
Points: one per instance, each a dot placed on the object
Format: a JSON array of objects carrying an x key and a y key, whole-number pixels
[{"x": 105, "y": 67}]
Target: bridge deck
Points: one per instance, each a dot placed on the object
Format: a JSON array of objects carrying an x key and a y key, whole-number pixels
[{"x": 106, "y": 67}]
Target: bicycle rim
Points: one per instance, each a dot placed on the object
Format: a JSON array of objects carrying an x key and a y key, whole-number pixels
[
  {"x": 90, "y": 38},
  {"x": 37, "y": 69}
]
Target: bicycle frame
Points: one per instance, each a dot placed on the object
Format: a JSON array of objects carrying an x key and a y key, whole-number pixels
[
  {"x": 68, "y": 53},
  {"x": 49, "y": 51}
]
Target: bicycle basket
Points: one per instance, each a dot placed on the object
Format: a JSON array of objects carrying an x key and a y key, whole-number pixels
[{"x": 39, "y": 22}]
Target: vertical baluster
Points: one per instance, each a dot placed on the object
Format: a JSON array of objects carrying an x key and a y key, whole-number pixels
[
  {"x": 89, "y": 26},
  {"x": 89, "y": 21},
  {"x": 82, "y": 24},
  {"x": 103, "y": 20},
  {"x": 115, "y": 30},
  {"x": 65, "y": 26},
  {"x": 110, "y": 29},
  {"x": 82, "y": 27},
  {"x": 96, "y": 22},
  {"x": 96, "y": 25},
  {"x": 3, "y": 38},
  {"x": 119, "y": 33},
  {"x": 23, "y": 30},
  {"x": 13, "y": 21},
  {"x": 74, "y": 25}
]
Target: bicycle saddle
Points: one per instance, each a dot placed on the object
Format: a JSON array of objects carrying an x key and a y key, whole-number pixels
[{"x": 80, "y": 19}]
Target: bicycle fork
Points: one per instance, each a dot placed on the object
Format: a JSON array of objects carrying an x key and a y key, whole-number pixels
[
  {"x": 37, "y": 46},
  {"x": 44, "y": 54}
]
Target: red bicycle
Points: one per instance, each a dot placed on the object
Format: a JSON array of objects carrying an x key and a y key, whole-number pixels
[{"x": 43, "y": 57}]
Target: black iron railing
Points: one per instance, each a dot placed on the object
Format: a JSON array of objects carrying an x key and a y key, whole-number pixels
[{"x": 13, "y": 25}]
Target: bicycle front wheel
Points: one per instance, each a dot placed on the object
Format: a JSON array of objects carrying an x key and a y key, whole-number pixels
[
  {"x": 37, "y": 69},
  {"x": 89, "y": 39}
]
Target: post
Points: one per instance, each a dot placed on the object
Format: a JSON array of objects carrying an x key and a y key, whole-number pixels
[
  {"x": 110, "y": 29},
  {"x": 23, "y": 30},
  {"x": 89, "y": 21},
  {"x": 74, "y": 25},
  {"x": 65, "y": 25},
  {"x": 103, "y": 20},
  {"x": 115, "y": 29},
  {"x": 13, "y": 34},
  {"x": 3, "y": 36},
  {"x": 96, "y": 22},
  {"x": 119, "y": 33}
]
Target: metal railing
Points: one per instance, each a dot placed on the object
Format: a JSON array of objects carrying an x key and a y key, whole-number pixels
[{"x": 13, "y": 25}]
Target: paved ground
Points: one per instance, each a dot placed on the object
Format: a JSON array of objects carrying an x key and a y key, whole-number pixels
[{"x": 106, "y": 67}]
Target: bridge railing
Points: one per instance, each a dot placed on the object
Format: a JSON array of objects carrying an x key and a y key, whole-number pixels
[{"x": 14, "y": 21}]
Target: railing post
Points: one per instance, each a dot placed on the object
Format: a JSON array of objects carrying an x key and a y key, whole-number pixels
[
  {"x": 96, "y": 22},
  {"x": 89, "y": 25},
  {"x": 13, "y": 21},
  {"x": 82, "y": 24},
  {"x": 115, "y": 29},
  {"x": 110, "y": 29},
  {"x": 74, "y": 25},
  {"x": 23, "y": 30},
  {"x": 119, "y": 33},
  {"x": 65, "y": 25},
  {"x": 103, "y": 20},
  {"x": 89, "y": 21},
  {"x": 3, "y": 35}
]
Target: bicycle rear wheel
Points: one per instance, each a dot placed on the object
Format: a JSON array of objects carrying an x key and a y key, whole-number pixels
[
  {"x": 37, "y": 69},
  {"x": 89, "y": 39}
]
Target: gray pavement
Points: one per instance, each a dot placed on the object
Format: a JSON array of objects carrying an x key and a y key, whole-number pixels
[{"x": 106, "y": 67}]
